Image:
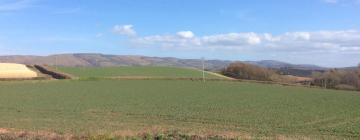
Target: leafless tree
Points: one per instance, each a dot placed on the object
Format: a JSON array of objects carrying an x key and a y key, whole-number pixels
[
  {"x": 247, "y": 71},
  {"x": 339, "y": 79}
]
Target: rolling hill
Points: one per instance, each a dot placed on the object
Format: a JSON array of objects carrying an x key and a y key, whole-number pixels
[
  {"x": 78, "y": 60},
  {"x": 278, "y": 65}
]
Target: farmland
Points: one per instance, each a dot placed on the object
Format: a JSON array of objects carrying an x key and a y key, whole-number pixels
[
  {"x": 14, "y": 71},
  {"x": 238, "y": 108},
  {"x": 170, "y": 72}
]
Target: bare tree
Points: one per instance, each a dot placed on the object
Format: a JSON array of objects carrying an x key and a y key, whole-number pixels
[
  {"x": 247, "y": 71},
  {"x": 339, "y": 79}
]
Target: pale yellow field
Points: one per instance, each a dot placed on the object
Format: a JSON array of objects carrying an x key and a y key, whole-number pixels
[{"x": 11, "y": 70}]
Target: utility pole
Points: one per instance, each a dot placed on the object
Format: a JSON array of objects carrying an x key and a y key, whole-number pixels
[
  {"x": 203, "y": 69},
  {"x": 56, "y": 63}
]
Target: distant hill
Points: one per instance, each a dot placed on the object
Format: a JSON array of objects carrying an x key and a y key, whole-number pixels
[
  {"x": 81, "y": 60},
  {"x": 278, "y": 64},
  {"x": 283, "y": 68},
  {"x": 350, "y": 68},
  {"x": 97, "y": 60}
]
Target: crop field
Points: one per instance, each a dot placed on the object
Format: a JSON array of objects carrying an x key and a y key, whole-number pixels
[
  {"x": 168, "y": 72},
  {"x": 194, "y": 107},
  {"x": 14, "y": 71}
]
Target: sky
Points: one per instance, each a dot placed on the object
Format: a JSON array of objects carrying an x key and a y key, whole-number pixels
[{"x": 321, "y": 32}]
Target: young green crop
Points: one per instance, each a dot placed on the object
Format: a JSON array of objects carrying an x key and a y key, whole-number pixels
[
  {"x": 113, "y": 105},
  {"x": 168, "y": 72}
]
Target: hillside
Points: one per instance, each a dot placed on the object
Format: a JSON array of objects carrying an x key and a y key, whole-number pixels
[
  {"x": 278, "y": 65},
  {"x": 76, "y": 60}
]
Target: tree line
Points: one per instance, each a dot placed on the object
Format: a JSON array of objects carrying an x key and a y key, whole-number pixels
[
  {"x": 348, "y": 79},
  {"x": 241, "y": 70}
]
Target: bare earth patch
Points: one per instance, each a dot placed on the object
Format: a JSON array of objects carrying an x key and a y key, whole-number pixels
[
  {"x": 147, "y": 133},
  {"x": 3, "y": 131}
]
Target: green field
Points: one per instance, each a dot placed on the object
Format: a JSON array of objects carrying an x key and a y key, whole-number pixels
[
  {"x": 247, "y": 109},
  {"x": 168, "y": 72}
]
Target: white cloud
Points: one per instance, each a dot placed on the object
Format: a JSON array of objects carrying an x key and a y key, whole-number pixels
[
  {"x": 185, "y": 34},
  {"x": 319, "y": 41},
  {"x": 124, "y": 30},
  {"x": 231, "y": 39},
  {"x": 298, "y": 36}
]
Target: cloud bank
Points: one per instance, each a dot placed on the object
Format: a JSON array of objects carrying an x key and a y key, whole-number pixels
[
  {"x": 185, "y": 34},
  {"x": 332, "y": 48},
  {"x": 346, "y": 41}
]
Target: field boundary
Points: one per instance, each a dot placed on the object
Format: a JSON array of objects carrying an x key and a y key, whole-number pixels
[
  {"x": 219, "y": 75},
  {"x": 165, "y": 78},
  {"x": 188, "y": 78},
  {"x": 148, "y": 133},
  {"x": 54, "y": 74},
  {"x": 23, "y": 79},
  {"x": 194, "y": 79}
]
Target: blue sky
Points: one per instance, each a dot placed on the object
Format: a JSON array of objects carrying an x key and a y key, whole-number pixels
[{"x": 322, "y": 32}]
